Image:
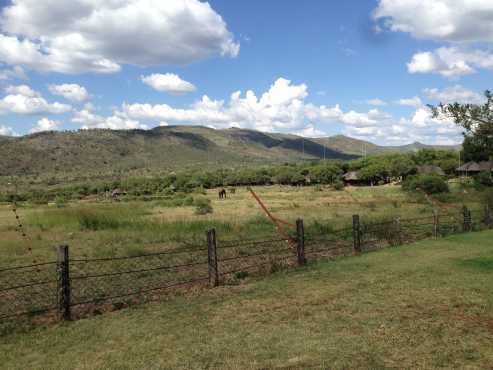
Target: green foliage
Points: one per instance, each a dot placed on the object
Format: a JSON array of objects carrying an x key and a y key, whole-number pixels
[
  {"x": 477, "y": 120},
  {"x": 484, "y": 179},
  {"x": 338, "y": 185},
  {"x": 94, "y": 221},
  {"x": 430, "y": 184},
  {"x": 203, "y": 206}
]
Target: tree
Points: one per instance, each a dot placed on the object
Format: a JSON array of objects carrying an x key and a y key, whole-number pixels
[{"x": 477, "y": 121}]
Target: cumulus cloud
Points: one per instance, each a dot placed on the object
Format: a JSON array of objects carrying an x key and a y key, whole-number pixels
[
  {"x": 169, "y": 82},
  {"x": 99, "y": 35},
  {"x": 411, "y": 102},
  {"x": 87, "y": 119},
  {"x": 450, "y": 62},
  {"x": 454, "y": 94},
  {"x": 45, "y": 124},
  {"x": 462, "y": 23},
  {"x": 14, "y": 73},
  {"x": 72, "y": 92},
  {"x": 7, "y": 131},
  {"x": 24, "y": 100},
  {"x": 282, "y": 108},
  {"x": 440, "y": 20}
]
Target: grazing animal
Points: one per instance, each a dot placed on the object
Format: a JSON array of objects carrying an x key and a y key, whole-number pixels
[{"x": 222, "y": 194}]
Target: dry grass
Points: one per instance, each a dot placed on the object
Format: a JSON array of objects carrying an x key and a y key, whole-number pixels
[{"x": 150, "y": 226}]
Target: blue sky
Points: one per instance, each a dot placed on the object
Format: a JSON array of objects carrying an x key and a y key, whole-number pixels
[{"x": 364, "y": 68}]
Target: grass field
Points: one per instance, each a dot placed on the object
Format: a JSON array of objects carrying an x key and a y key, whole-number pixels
[
  {"x": 427, "y": 305},
  {"x": 95, "y": 228}
]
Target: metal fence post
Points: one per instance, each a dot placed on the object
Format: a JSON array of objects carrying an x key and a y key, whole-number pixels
[
  {"x": 212, "y": 258},
  {"x": 467, "y": 219},
  {"x": 64, "y": 282},
  {"x": 356, "y": 234},
  {"x": 300, "y": 246},
  {"x": 436, "y": 224}
]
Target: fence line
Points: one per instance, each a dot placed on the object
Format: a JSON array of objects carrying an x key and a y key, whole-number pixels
[{"x": 69, "y": 283}]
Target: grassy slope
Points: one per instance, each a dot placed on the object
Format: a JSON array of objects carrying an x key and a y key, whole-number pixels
[
  {"x": 95, "y": 152},
  {"x": 353, "y": 146},
  {"x": 428, "y": 305}
]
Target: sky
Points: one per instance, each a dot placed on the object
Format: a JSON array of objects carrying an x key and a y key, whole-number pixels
[{"x": 362, "y": 68}]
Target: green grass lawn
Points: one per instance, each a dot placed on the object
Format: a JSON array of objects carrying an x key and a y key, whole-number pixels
[{"x": 427, "y": 305}]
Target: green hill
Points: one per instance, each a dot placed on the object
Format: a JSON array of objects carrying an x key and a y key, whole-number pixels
[
  {"x": 97, "y": 152},
  {"x": 358, "y": 147}
]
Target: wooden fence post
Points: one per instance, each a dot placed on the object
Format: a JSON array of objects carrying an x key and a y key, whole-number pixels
[
  {"x": 467, "y": 219},
  {"x": 64, "y": 282},
  {"x": 487, "y": 216},
  {"x": 436, "y": 224},
  {"x": 212, "y": 258},
  {"x": 300, "y": 246},
  {"x": 356, "y": 234}
]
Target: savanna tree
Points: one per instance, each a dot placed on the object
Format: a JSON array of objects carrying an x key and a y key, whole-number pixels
[{"x": 477, "y": 121}]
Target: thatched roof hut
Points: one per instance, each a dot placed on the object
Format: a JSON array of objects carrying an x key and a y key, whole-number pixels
[
  {"x": 486, "y": 166},
  {"x": 351, "y": 177},
  {"x": 469, "y": 167}
]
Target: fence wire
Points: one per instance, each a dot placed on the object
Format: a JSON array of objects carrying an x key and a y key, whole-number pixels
[
  {"x": 28, "y": 289},
  {"x": 131, "y": 279}
]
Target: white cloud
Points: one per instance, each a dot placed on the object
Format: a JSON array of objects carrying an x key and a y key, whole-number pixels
[
  {"x": 458, "y": 21},
  {"x": 376, "y": 102},
  {"x": 168, "y": 82},
  {"x": 45, "y": 124},
  {"x": 13, "y": 74},
  {"x": 22, "y": 90},
  {"x": 24, "y": 100},
  {"x": 7, "y": 131},
  {"x": 461, "y": 23},
  {"x": 100, "y": 35},
  {"x": 451, "y": 62},
  {"x": 88, "y": 120},
  {"x": 411, "y": 102},
  {"x": 283, "y": 108},
  {"x": 310, "y": 131},
  {"x": 72, "y": 92},
  {"x": 454, "y": 94}
]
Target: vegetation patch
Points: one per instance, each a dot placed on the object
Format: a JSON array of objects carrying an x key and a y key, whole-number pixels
[{"x": 481, "y": 264}]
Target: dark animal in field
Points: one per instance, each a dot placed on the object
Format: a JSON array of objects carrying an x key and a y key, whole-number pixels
[{"x": 222, "y": 194}]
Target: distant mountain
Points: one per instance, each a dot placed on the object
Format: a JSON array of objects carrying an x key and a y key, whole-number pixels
[
  {"x": 349, "y": 145},
  {"x": 97, "y": 152}
]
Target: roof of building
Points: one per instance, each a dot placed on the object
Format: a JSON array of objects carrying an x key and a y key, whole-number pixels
[
  {"x": 351, "y": 176},
  {"x": 469, "y": 167},
  {"x": 486, "y": 166}
]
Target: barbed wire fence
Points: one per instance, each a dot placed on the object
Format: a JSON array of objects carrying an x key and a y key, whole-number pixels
[{"x": 71, "y": 287}]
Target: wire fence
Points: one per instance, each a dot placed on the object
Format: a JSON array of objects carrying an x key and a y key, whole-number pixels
[{"x": 72, "y": 287}]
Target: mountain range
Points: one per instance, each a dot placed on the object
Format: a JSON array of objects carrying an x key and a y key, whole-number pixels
[{"x": 167, "y": 148}]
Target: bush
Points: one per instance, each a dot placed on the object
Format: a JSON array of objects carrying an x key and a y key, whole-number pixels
[
  {"x": 430, "y": 184},
  {"x": 338, "y": 185},
  {"x": 203, "y": 206},
  {"x": 484, "y": 179}
]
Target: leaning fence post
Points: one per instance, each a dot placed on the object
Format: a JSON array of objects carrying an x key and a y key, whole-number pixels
[
  {"x": 212, "y": 258},
  {"x": 300, "y": 246},
  {"x": 64, "y": 282},
  {"x": 356, "y": 234},
  {"x": 467, "y": 219},
  {"x": 436, "y": 224}
]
